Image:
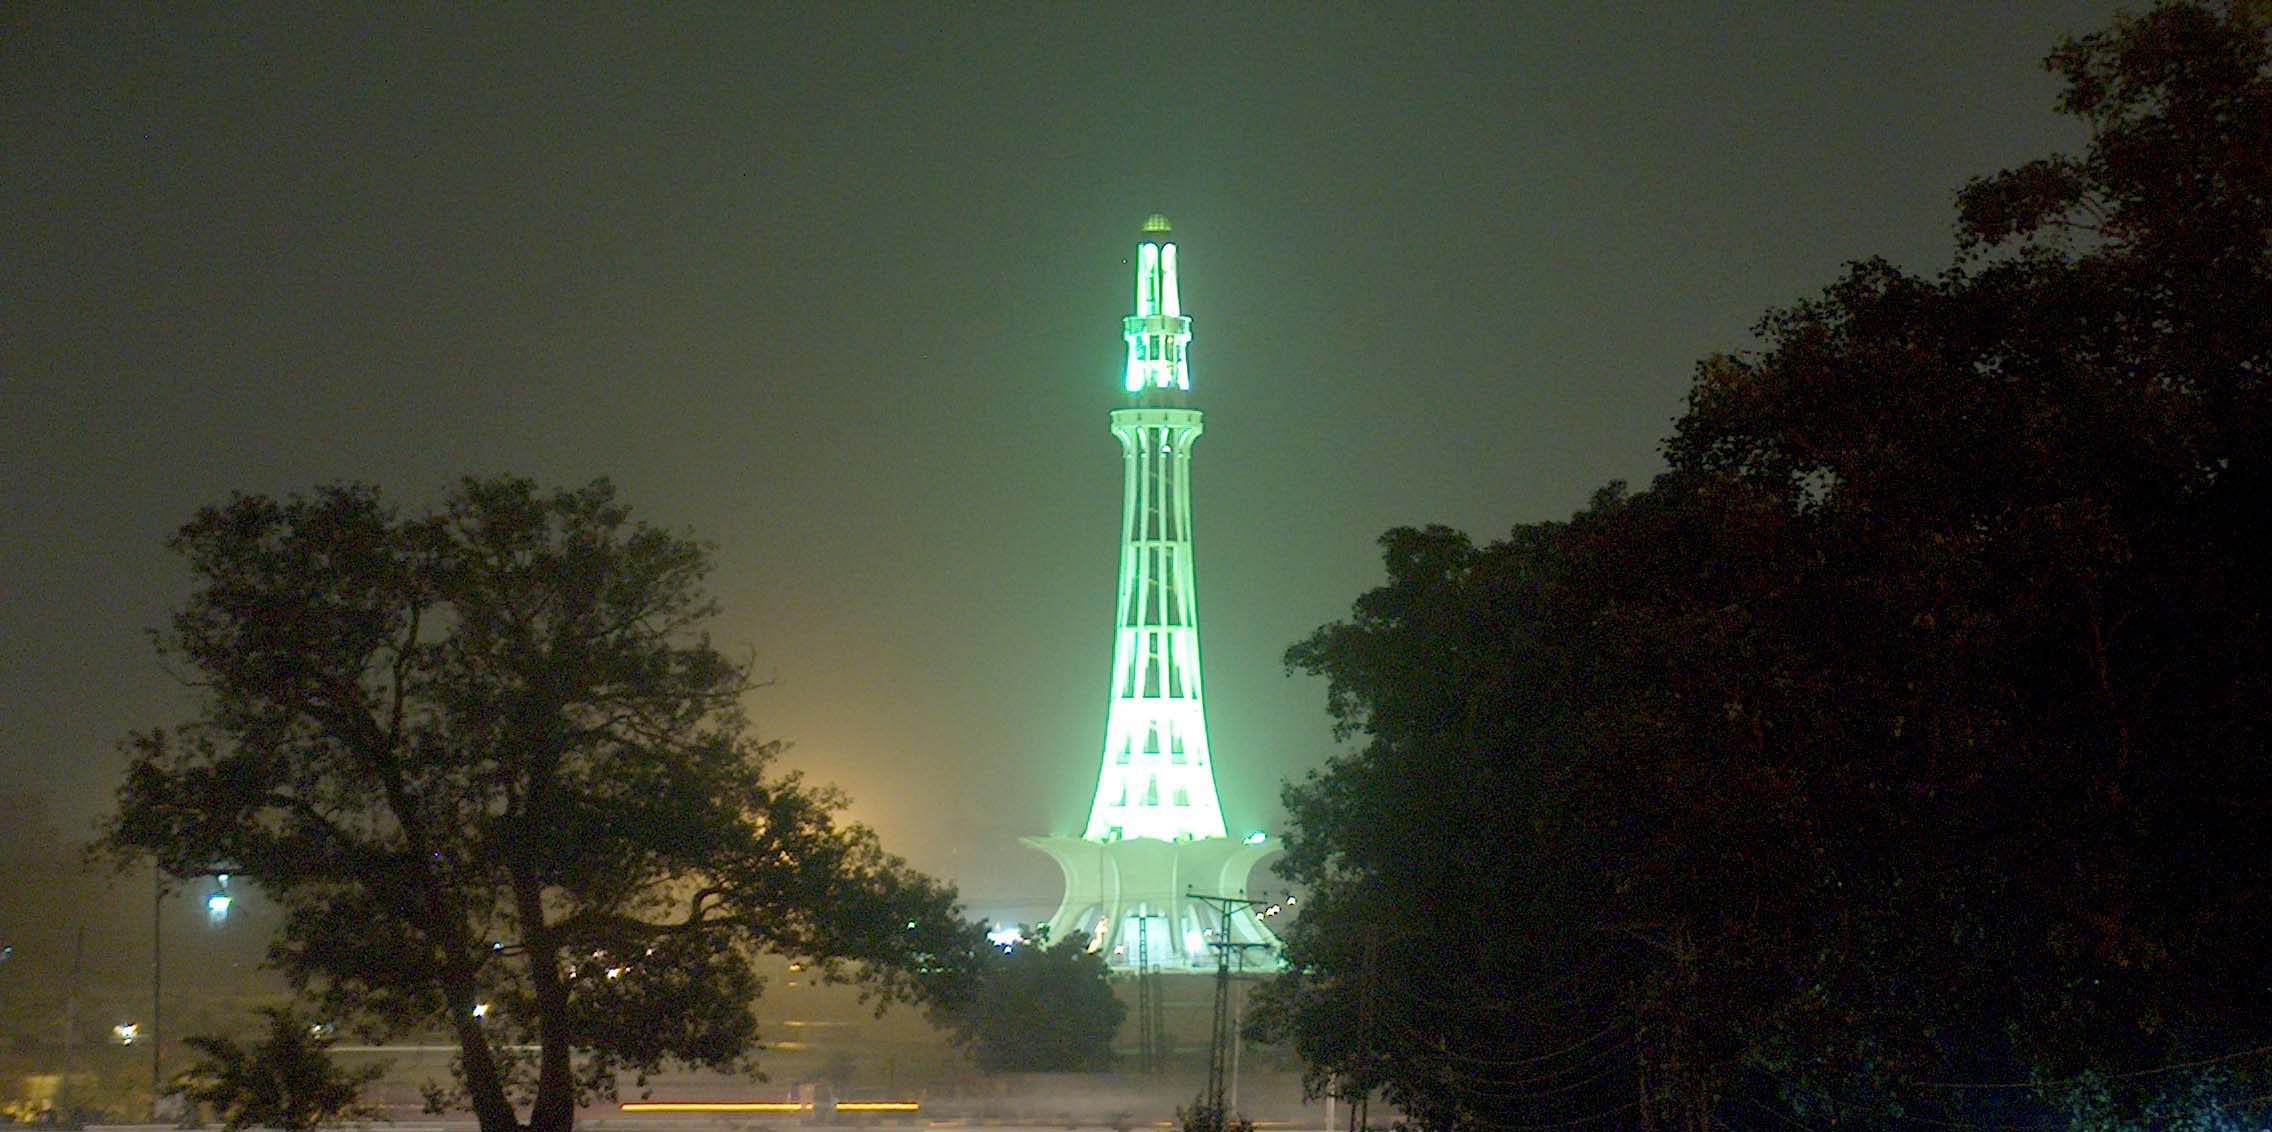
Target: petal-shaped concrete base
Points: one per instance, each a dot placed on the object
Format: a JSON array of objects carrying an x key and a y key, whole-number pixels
[{"x": 1133, "y": 898}]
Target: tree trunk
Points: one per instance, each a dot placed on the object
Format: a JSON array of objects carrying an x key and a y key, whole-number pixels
[
  {"x": 555, "y": 1107},
  {"x": 484, "y": 1086}
]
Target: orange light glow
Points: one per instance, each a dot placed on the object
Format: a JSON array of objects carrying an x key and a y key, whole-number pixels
[
  {"x": 713, "y": 1106},
  {"x": 766, "y": 1106}
]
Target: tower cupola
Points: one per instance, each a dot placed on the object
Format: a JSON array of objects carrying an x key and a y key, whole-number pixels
[{"x": 1159, "y": 334}]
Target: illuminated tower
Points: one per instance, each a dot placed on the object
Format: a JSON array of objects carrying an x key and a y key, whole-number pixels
[
  {"x": 1155, "y": 830},
  {"x": 1156, "y": 780}
]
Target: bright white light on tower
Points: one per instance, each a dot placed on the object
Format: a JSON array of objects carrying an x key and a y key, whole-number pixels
[
  {"x": 1256, "y": 838},
  {"x": 1171, "y": 296}
]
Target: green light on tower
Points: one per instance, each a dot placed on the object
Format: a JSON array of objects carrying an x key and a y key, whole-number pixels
[
  {"x": 1156, "y": 780},
  {"x": 1155, "y": 833},
  {"x": 1158, "y": 334}
]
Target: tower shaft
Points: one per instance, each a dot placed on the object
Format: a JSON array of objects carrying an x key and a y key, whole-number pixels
[{"x": 1156, "y": 780}]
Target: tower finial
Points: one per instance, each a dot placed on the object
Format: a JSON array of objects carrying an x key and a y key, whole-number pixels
[{"x": 1158, "y": 333}]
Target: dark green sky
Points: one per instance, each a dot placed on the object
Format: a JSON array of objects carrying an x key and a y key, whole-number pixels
[{"x": 839, "y": 288}]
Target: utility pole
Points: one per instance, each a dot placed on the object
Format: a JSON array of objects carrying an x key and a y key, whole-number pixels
[
  {"x": 1219, "y": 1044},
  {"x": 71, "y": 993},
  {"x": 1361, "y": 1108},
  {"x": 63, "y": 1098},
  {"x": 1238, "y": 1018},
  {"x": 1145, "y": 1038},
  {"x": 1158, "y": 1021}
]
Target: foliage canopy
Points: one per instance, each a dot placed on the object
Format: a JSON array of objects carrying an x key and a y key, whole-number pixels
[
  {"x": 498, "y": 779},
  {"x": 1043, "y": 1009},
  {"x": 1898, "y": 756},
  {"x": 285, "y": 1081}
]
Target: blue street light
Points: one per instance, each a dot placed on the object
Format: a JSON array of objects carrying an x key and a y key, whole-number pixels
[{"x": 217, "y": 905}]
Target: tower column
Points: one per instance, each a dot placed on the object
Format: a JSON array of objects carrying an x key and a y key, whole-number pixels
[{"x": 1156, "y": 779}]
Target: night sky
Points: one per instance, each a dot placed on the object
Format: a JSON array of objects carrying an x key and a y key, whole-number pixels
[{"x": 838, "y": 288}]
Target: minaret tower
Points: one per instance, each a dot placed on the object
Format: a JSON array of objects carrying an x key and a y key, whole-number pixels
[
  {"x": 1156, "y": 780},
  {"x": 1155, "y": 831}
]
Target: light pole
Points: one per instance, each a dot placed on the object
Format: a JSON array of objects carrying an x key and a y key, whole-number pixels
[
  {"x": 216, "y": 913},
  {"x": 157, "y": 980}
]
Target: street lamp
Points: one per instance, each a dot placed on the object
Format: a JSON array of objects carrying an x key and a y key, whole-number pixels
[
  {"x": 157, "y": 980},
  {"x": 216, "y": 913},
  {"x": 217, "y": 904}
]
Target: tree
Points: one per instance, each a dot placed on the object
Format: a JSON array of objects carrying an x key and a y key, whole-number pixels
[
  {"x": 1046, "y": 1009},
  {"x": 287, "y": 1081},
  {"x": 2030, "y": 494},
  {"x": 499, "y": 781},
  {"x": 1465, "y": 942},
  {"x": 1895, "y": 757}
]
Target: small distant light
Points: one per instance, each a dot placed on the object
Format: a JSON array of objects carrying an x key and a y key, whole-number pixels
[
  {"x": 481, "y": 1010},
  {"x": 615, "y": 972},
  {"x": 1006, "y": 936},
  {"x": 126, "y": 1033},
  {"x": 1256, "y": 838}
]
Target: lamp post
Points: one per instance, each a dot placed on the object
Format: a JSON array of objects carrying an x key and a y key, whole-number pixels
[
  {"x": 216, "y": 913},
  {"x": 157, "y": 981}
]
